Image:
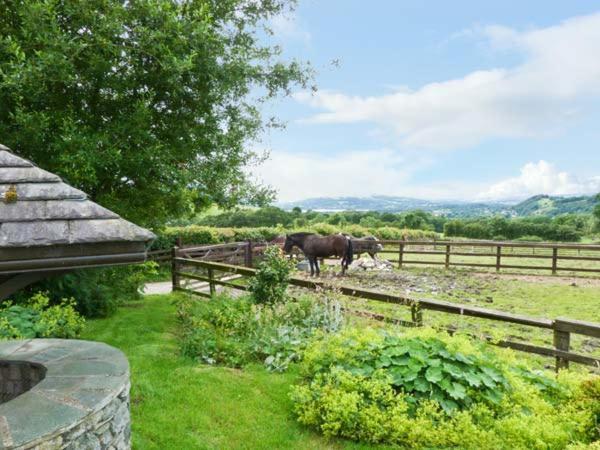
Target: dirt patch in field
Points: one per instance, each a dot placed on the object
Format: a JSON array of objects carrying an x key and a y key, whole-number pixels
[{"x": 562, "y": 280}]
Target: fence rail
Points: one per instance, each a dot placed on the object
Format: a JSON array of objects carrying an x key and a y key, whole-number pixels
[
  {"x": 500, "y": 255},
  {"x": 445, "y": 253},
  {"x": 562, "y": 328}
]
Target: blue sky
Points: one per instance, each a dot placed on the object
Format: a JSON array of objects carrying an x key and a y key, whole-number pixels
[{"x": 466, "y": 100}]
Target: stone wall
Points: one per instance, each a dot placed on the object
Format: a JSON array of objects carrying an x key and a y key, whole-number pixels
[
  {"x": 82, "y": 402},
  {"x": 17, "y": 377}
]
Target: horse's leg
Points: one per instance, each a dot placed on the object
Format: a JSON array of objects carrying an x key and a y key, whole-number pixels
[
  {"x": 312, "y": 269},
  {"x": 317, "y": 266}
]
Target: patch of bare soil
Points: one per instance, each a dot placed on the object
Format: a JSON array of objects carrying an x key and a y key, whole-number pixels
[{"x": 545, "y": 279}]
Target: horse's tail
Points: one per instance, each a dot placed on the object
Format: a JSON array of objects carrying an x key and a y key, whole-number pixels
[{"x": 349, "y": 252}]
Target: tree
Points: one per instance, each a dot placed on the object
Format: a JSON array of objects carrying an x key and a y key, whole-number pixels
[
  {"x": 597, "y": 211},
  {"x": 146, "y": 105}
]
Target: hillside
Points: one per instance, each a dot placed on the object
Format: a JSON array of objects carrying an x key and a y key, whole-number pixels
[
  {"x": 537, "y": 205},
  {"x": 545, "y": 205}
]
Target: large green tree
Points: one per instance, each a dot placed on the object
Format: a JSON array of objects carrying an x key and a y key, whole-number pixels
[{"x": 147, "y": 105}]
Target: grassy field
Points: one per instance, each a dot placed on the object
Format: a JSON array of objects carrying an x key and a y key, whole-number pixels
[{"x": 179, "y": 404}]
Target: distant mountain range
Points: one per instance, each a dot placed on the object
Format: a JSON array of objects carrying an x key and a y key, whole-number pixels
[{"x": 537, "y": 205}]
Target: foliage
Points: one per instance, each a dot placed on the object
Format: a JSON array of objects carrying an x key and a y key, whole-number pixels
[
  {"x": 235, "y": 332},
  {"x": 197, "y": 234},
  {"x": 271, "y": 216},
  {"x": 97, "y": 292},
  {"x": 146, "y": 105},
  {"x": 597, "y": 211},
  {"x": 36, "y": 319},
  {"x": 566, "y": 228},
  {"x": 394, "y": 388},
  {"x": 270, "y": 283}
]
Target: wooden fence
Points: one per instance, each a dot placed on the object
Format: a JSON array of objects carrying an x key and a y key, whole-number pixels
[
  {"x": 477, "y": 254},
  {"x": 562, "y": 328},
  {"x": 444, "y": 253}
]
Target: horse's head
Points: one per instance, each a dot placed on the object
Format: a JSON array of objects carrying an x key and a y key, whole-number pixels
[{"x": 289, "y": 243}]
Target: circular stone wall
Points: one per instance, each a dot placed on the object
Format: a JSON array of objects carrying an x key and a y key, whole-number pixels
[{"x": 63, "y": 394}]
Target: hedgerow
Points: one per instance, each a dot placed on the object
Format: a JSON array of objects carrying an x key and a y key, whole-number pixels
[
  {"x": 423, "y": 389},
  {"x": 198, "y": 234}
]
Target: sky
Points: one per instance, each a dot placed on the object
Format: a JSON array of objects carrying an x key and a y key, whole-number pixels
[{"x": 461, "y": 100}]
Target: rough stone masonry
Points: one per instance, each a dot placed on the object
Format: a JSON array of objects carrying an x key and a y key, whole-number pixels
[{"x": 63, "y": 394}]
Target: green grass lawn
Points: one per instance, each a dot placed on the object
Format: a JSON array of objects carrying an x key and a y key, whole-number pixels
[{"x": 179, "y": 404}]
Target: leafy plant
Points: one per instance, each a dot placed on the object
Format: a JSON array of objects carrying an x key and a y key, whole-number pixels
[
  {"x": 97, "y": 292},
  {"x": 234, "y": 332},
  {"x": 36, "y": 318},
  {"x": 270, "y": 283},
  {"x": 423, "y": 389}
]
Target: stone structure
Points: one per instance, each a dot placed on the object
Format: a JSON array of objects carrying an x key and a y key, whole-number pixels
[
  {"x": 63, "y": 394},
  {"x": 47, "y": 227}
]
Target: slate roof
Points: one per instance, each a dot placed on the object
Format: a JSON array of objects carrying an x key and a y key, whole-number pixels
[{"x": 49, "y": 212}]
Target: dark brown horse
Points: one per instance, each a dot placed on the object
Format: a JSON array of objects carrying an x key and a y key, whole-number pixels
[{"x": 315, "y": 246}]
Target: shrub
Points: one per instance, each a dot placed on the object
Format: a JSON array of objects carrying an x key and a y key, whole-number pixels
[
  {"x": 199, "y": 235},
  {"x": 96, "y": 292},
  {"x": 423, "y": 389},
  {"x": 36, "y": 319},
  {"x": 235, "y": 332},
  {"x": 270, "y": 283}
]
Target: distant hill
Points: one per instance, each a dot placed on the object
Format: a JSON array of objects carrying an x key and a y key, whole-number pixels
[
  {"x": 546, "y": 205},
  {"x": 537, "y": 205}
]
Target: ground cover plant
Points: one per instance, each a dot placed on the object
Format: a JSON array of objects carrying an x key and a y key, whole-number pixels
[
  {"x": 421, "y": 389},
  {"x": 237, "y": 331},
  {"x": 36, "y": 318}
]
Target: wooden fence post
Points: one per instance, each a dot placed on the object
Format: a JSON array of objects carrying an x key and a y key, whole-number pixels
[
  {"x": 249, "y": 255},
  {"x": 400, "y": 254},
  {"x": 447, "y": 264},
  {"x": 179, "y": 241},
  {"x": 562, "y": 341},
  {"x": 416, "y": 314},
  {"x": 211, "y": 282},
  {"x": 498, "y": 257},
  {"x": 174, "y": 268},
  {"x": 554, "y": 259}
]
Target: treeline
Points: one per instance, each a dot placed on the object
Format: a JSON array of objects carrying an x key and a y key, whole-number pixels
[
  {"x": 272, "y": 216},
  {"x": 564, "y": 228}
]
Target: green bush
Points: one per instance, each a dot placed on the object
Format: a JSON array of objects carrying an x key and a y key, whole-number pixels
[
  {"x": 200, "y": 235},
  {"x": 97, "y": 292},
  {"x": 270, "y": 283},
  {"x": 423, "y": 389},
  {"x": 36, "y": 319},
  {"x": 235, "y": 332}
]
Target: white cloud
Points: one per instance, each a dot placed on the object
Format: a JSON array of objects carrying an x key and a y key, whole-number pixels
[
  {"x": 298, "y": 176},
  {"x": 541, "y": 178},
  {"x": 539, "y": 97},
  {"x": 287, "y": 26}
]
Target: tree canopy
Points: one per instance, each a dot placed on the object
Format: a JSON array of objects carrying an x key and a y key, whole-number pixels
[{"x": 149, "y": 106}]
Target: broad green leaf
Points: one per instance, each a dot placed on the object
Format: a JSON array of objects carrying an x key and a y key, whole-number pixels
[{"x": 434, "y": 374}]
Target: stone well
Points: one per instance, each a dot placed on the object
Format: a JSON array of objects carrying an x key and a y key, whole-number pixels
[{"x": 63, "y": 394}]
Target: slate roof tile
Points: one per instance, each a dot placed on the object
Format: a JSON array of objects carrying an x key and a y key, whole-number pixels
[{"x": 50, "y": 212}]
